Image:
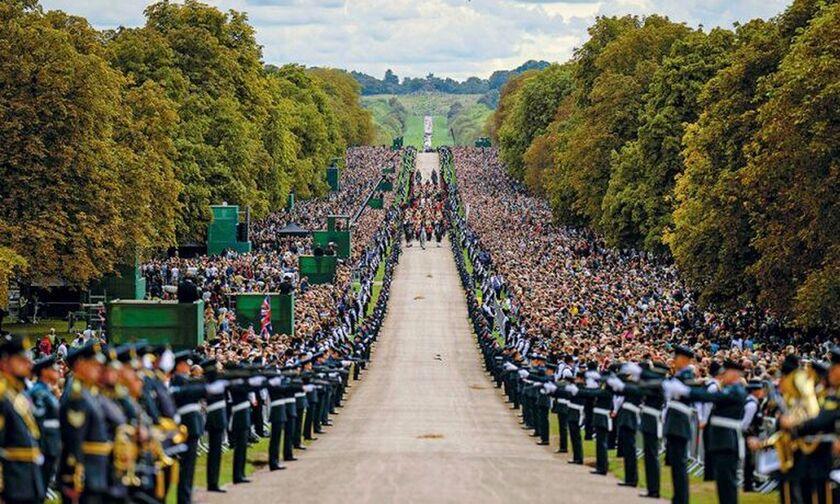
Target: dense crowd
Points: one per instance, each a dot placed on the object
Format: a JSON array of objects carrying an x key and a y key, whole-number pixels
[
  {"x": 613, "y": 343},
  {"x": 275, "y": 259},
  {"x": 571, "y": 292},
  {"x": 89, "y": 421}
]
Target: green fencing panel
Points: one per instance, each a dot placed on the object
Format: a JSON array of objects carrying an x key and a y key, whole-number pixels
[
  {"x": 376, "y": 203},
  {"x": 221, "y": 232},
  {"x": 125, "y": 283},
  {"x": 332, "y": 178},
  {"x": 249, "y": 306},
  {"x": 340, "y": 238},
  {"x": 318, "y": 270},
  {"x": 386, "y": 185},
  {"x": 180, "y": 325}
]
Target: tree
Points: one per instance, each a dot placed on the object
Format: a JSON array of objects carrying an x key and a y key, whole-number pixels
[
  {"x": 792, "y": 178},
  {"x": 533, "y": 110},
  {"x": 637, "y": 206},
  {"x": 618, "y": 74}
]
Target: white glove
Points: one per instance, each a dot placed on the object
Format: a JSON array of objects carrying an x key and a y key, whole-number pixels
[
  {"x": 674, "y": 389},
  {"x": 308, "y": 388},
  {"x": 591, "y": 383},
  {"x": 217, "y": 387},
  {"x": 633, "y": 370},
  {"x": 510, "y": 367},
  {"x": 615, "y": 383},
  {"x": 256, "y": 381},
  {"x": 523, "y": 374},
  {"x": 276, "y": 381},
  {"x": 550, "y": 387},
  {"x": 333, "y": 375},
  {"x": 346, "y": 363},
  {"x": 572, "y": 389}
]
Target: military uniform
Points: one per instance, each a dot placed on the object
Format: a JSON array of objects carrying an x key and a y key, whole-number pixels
[
  {"x": 677, "y": 431},
  {"x": 726, "y": 440},
  {"x": 46, "y": 411},
  {"x": 216, "y": 425},
  {"x": 20, "y": 439},
  {"x": 187, "y": 396},
  {"x": 602, "y": 423}
]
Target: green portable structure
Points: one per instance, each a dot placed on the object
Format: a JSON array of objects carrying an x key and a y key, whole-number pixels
[
  {"x": 341, "y": 237},
  {"x": 290, "y": 202},
  {"x": 376, "y": 202},
  {"x": 483, "y": 142},
  {"x": 332, "y": 178},
  {"x": 124, "y": 283},
  {"x": 397, "y": 143},
  {"x": 386, "y": 184},
  {"x": 318, "y": 269},
  {"x": 249, "y": 311},
  {"x": 180, "y": 325},
  {"x": 221, "y": 232}
]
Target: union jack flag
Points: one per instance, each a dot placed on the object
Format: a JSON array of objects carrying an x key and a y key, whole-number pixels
[{"x": 265, "y": 317}]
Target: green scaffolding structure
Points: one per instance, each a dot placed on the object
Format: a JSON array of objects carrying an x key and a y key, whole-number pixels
[{"x": 249, "y": 311}]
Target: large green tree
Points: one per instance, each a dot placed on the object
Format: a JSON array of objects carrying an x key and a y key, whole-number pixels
[
  {"x": 79, "y": 152},
  {"x": 638, "y": 203},
  {"x": 792, "y": 178}
]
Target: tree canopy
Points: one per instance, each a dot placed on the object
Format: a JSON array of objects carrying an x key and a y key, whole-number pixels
[
  {"x": 115, "y": 143},
  {"x": 715, "y": 148}
]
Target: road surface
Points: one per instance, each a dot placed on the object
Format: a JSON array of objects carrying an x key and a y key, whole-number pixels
[{"x": 425, "y": 424}]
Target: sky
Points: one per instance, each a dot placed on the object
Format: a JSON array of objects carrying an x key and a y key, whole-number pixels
[{"x": 450, "y": 38}]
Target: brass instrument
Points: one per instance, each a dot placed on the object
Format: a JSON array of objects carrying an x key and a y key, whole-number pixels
[
  {"x": 799, "y": 402},
  {"x": 126, "y": 452}
]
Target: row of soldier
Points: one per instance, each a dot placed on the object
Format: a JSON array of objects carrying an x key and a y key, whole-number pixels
[{"x": 785, "y": 419}]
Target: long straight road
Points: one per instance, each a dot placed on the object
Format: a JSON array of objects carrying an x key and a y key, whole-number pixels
[{"x": 425, "y": 423}]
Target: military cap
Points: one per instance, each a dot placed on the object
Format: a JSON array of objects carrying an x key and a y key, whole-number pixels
[
  {"x": 43, "y": 363},
  {"x": 184, "y": 356},
  {"x": 820, "y": 367},
  {"x": 683, "y": 350},
  {"x": 13, "y": 344},
  {"x": 90, "y": 350},
  {"x": 754, "y": 385},
  {"x": 715, "y": 368},
  {"x": 790, "y": 364}
]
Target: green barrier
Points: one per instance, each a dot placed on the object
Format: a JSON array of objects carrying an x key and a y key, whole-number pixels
[
  {"x": 180, "y": 325},
  {"x": 221, "y": 232},
  {"x": 386, "y": 185},
  {"x": 125, "y": 283},
  {"x": 341, "y": 237},
  {"x": 332, "y": 178},
  {"x": 249, "y": 311},
  {"x": 376, "y": 203},
  {"x": 318, "y": 269}
]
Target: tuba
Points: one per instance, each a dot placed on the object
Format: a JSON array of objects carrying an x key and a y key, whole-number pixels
[{"x": 799, "y": 401}]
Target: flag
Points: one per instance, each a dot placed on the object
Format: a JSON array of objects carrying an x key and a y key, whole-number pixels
[{"x": 265, "y": 317}]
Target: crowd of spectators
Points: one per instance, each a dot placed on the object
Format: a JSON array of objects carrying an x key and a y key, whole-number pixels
[{"x": 569, "y": 292}]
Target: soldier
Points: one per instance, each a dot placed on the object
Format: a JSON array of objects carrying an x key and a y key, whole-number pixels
[
  {"x": 240, "y": 424},
  {"x": 677, "y": 427},
  {"x": 565, "y": 373},
  {"x": 651, "y": 422},
  {"x": 627, "y": 420},
  {"x": 215, "y": 425},
  {"x": 726, "y": 435},
  {"x": 85, "y": 445},
  {"x": 45, "y": 408},
  {"x": 187, "y": 395},
  {"x": 703, "y": 414},
  {"x": 19, "y": 432},
  {"x": 751, "y": 425},
  {"x": 602, "y": 423}
]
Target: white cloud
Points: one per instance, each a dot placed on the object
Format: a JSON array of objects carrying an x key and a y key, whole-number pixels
[{"x": 455, "y": 38}]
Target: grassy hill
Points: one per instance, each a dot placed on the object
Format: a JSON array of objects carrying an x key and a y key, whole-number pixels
[{"x": 396, "y": 115}]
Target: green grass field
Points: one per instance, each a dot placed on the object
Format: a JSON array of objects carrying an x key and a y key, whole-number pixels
[
  {"x": 414, "y": 132},
  {"x": 467, "y": 124}
]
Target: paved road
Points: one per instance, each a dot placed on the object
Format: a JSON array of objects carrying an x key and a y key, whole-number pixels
[{"x": 425, "y": 423}]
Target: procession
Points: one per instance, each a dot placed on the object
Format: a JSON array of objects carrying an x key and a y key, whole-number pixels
[{"x": 441, "y": 252}]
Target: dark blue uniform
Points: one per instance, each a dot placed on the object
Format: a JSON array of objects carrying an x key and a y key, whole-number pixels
[{"x": 20, "y": 440}]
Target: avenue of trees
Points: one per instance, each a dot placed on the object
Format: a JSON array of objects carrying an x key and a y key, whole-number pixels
[
  {"x": 719, "y": 149},
  {"x": 114, "y": 142}
]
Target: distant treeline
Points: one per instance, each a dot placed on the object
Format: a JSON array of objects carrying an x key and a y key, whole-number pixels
[
  {"x": 391, "y": 84},
  {"x": 115, "y": 142},
  {"x": 718, "y": 148}
]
